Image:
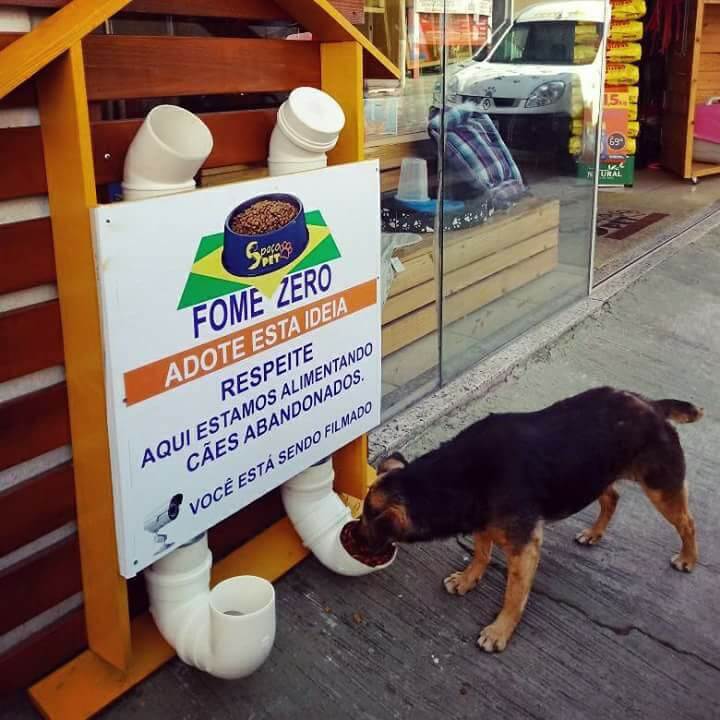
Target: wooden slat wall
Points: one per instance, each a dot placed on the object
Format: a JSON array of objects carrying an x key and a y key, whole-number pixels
[
  {"x": 48, "y": 648},
  {"x": 60, "y": 572},
  {"x": 110, "y": 143},
  {"x": 30, "y": 340},
  {"x": 239, "y": 137},
  {"x": 33, "y": 424},
  {"x": 51, "y": 497},
  {"x": 118, "y": 67},
  {"x": 24, "y": 96},
  {"x": 20, "y": 241}
]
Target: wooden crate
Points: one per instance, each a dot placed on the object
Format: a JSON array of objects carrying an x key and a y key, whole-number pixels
[{"x": 479, "y": 265}]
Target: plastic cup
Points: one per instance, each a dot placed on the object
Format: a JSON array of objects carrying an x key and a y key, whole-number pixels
[{"x": 413, "y": 184}]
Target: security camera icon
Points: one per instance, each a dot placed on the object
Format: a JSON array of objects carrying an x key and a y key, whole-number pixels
[{"x": 160, "y": 518}]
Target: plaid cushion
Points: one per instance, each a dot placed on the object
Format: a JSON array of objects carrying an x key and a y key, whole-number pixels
[{"x": 476, "y": 155}]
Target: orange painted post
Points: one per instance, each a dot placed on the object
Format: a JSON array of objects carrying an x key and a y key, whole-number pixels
[
  {"x": 65, "y": 128},
  {"x": 341, "y": 73}
]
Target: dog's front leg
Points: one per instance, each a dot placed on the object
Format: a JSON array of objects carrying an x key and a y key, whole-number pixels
[
  {"x": 522, "y": 563},
  {"x": 461, "y": 582}
]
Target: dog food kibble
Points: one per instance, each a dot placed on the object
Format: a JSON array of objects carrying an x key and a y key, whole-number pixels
[
  {"x": 263, "y": 216},
  {"x": 352, "y": 543}
]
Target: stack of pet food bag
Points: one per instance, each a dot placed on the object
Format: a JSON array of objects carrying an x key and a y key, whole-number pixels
[{"x": 622, "y": 76}]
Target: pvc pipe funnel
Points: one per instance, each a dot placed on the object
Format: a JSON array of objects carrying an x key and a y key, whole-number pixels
[
  {"x": 228, "y": 631},
  {"x": 319, "y": 515},
  {"x": 308, "y": 125},
  {"x": 166, "y": 153}
]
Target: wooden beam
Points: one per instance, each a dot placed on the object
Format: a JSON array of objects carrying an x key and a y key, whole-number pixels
[
  {"x": 51, "y": 38},
  {"x": 129, "y": 66},
  {"x": 71, "y": 188},
  {"x": 237, "y": 9},
  {"x": 341, "y": 75},
  {"x": 341, "y": 68},
  {"x": 328, "y": 24}
]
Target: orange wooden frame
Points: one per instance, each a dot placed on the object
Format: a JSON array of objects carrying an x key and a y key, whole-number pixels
[{"x": 121, "y": 653}]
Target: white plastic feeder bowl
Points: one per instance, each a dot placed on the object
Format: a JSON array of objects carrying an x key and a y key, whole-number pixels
[{"x": 318, "y": 515}]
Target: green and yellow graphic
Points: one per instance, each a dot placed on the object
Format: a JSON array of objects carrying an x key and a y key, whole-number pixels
[{"x": 208, "y": 279}]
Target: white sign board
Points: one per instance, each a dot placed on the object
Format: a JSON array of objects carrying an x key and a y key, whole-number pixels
[{"x": 234, "y": 360}]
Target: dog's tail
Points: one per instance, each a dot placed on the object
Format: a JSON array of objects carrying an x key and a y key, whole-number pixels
[{"x": 678, "y": 411}]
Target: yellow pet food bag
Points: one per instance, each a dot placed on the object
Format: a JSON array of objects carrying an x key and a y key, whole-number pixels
[
  {"x": 633, "y": 91},
  {"x": 577, "y": 126},
  {"x": 632, "y": 111},
  {"x": 575, "y": 145},
  {"x": 623, "y": 51},
  {"x": 584, "y": 54},
  {"x": 633, "y": 129},
  {"x": 626, "y": 30},
  {"x": 628, "y": 9},
  {"x": 586, "y": 33},
  {"x": 622, "y": 74},
  {"x": 631, "y": 146}
]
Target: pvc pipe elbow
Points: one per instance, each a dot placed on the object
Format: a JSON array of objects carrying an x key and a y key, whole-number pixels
[
  {"x": 318, "y": 515},
  {"x": 307, "y": 127},
  {"x": 228, "y": 631},
  {"x": 166, "y": 153}
]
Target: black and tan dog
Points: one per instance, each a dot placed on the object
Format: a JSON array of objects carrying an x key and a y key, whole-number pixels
[{"x": 504, "y": 477}]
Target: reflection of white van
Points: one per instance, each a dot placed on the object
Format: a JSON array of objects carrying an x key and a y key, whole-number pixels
[{"x": 532, "y": 80}]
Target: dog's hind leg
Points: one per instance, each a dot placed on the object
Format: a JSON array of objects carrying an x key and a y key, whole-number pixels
[
  {"x": 461, "y": 582},
  {"x": 522, "y": 563},
  {"x": 673, "y": 506},
  {"x": 608, "y": 503},
  {"x": 662, "y": 477}
]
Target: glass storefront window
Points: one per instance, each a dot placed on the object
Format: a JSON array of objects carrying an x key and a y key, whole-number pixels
[{"x": 484, "y": 147}]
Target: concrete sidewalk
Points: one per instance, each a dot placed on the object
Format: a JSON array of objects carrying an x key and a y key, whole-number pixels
[{"x": 609, "y": 632}]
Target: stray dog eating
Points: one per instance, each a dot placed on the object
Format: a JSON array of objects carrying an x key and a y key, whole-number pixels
[{"x": 504, "y": 477}]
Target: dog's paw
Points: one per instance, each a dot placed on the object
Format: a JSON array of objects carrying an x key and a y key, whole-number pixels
[
  {"x": 494, "y": 638},
  {"x": 458, "y": 583},
  {"x": 682, "y": 564},
  {"x": 588, "y": 537}
]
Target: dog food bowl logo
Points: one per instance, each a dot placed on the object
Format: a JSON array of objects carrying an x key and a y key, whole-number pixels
[
  {"x": 264, "y": 239},
  {"x": 264, "y": 234}
]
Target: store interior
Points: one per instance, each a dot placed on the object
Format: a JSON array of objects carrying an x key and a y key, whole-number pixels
[
  {"x": 532, "y": 254},
  {"x": 676, "y": 177}
]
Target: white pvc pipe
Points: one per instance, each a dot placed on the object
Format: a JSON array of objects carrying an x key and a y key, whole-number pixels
[
  {"x": 167, "y": 151},
  {"x": 228, "y": 631},
  {"x": 308, "y": 125},
  {"x": 318, "y": 515}
]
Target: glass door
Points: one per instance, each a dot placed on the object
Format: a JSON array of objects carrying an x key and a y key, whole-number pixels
[
  {"x": 519, "y": 122},
  {"x": 396, "y": 122}
]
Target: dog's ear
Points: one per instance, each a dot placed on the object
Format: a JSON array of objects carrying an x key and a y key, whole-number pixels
[{"x": 392, "y": 462}]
